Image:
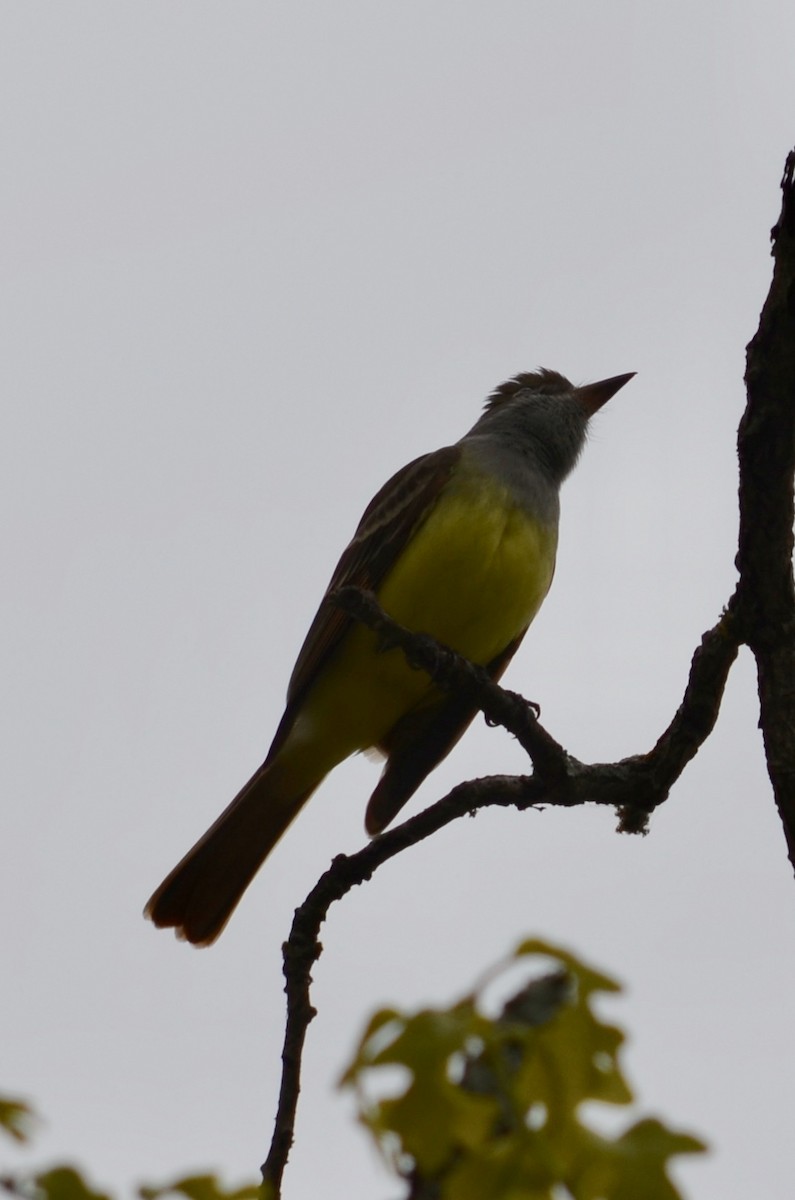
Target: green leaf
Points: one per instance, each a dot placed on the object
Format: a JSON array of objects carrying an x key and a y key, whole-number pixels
[
  {"x": 431, "y": 1116},
  {"x": 590, "y": 979},
  {"x": 66, "y": 1183},
  {"x": 369, "y": 1043},
  {"x": 200, "y": 1187},
  {"x": 433, "y": 1120},
  {"x": 504, "y": 1171},
  {"x": 16, "y": 1118},
  {"x": 634, "y": 1164}
]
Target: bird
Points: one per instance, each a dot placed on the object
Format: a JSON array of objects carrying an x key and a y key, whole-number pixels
[{"x": 460, "y": 544}]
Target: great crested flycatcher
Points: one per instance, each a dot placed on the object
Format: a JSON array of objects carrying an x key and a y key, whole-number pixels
[{"x": 460, "y": 545}]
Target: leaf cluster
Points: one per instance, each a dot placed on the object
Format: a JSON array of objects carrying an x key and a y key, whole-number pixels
[
  {"x": 66, "y": 1182},
  {"x": 492, "y": 1105}
]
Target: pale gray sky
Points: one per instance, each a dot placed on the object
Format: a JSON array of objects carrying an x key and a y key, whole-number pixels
[{"x": 255, "y": 257}]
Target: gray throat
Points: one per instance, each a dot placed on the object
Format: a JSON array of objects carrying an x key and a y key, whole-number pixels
[{"x": 531, "y": 443}]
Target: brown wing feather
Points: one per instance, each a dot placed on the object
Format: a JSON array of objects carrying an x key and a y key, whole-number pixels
[{"x": 388, "y": 522}]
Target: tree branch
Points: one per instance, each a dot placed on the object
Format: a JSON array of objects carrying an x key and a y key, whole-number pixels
[
  {"x": 455, "y": 674},
  {"x": 761, "y": 614},
  {"x": 764, "y": 603},
  {"x": 636, "y": 786}
]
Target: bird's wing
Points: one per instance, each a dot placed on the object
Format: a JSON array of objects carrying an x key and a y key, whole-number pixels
[
  {"x": 387, "y": 524},
  {"x": 419, "y": 742}
]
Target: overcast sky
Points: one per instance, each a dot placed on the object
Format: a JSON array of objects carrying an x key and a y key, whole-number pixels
[{"x": 256, "y": 256}]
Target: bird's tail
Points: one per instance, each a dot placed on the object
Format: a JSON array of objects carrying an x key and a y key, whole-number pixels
[{"x": 201, "y": 893}]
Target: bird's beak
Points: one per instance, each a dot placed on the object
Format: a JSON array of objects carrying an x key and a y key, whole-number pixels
[{"x": 594, "y": 395}]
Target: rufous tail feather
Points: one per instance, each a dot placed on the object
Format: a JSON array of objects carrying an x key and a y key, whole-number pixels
[{"x": 201, "y": 893}]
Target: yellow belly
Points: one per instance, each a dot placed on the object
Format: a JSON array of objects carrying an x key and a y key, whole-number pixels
[{"x": 473, "y": 576}]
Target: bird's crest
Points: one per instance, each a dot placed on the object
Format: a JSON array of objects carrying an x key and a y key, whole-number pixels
[{"x": 542, "y": 380}]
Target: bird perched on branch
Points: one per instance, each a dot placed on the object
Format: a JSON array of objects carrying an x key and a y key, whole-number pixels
[{"x": 460, "y": 544}]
